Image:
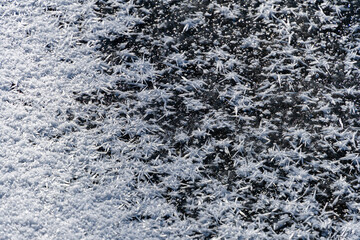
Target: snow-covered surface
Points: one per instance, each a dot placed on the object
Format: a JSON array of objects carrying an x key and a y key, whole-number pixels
[{"x": 179, "y": 119}]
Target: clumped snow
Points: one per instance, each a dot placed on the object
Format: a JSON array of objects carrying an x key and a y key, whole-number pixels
[{"x": 159, "y": 119}]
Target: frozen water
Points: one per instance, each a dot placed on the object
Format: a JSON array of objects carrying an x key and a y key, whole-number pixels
[{"x": 179, "y": 119}]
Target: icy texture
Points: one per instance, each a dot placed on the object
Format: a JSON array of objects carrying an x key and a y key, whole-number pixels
[{"x": 179, "y": 119}]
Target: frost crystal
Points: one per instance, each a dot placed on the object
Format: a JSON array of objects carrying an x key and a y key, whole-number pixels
[{"x": 141, "y": 119}]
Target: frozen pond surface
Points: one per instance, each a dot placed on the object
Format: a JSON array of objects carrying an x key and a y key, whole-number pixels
[{"x": 179, "y": 119}]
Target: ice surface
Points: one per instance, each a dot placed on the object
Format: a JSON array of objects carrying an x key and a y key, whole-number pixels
[{"x": 179, "y": 119}]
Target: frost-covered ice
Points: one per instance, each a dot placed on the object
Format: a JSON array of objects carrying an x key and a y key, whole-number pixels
[
  {"x": 179, "y": 119},
  {"x": 48, "y": 163}
]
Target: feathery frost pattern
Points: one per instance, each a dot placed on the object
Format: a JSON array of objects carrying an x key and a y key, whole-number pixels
[{"x": 167, "y": 119}]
